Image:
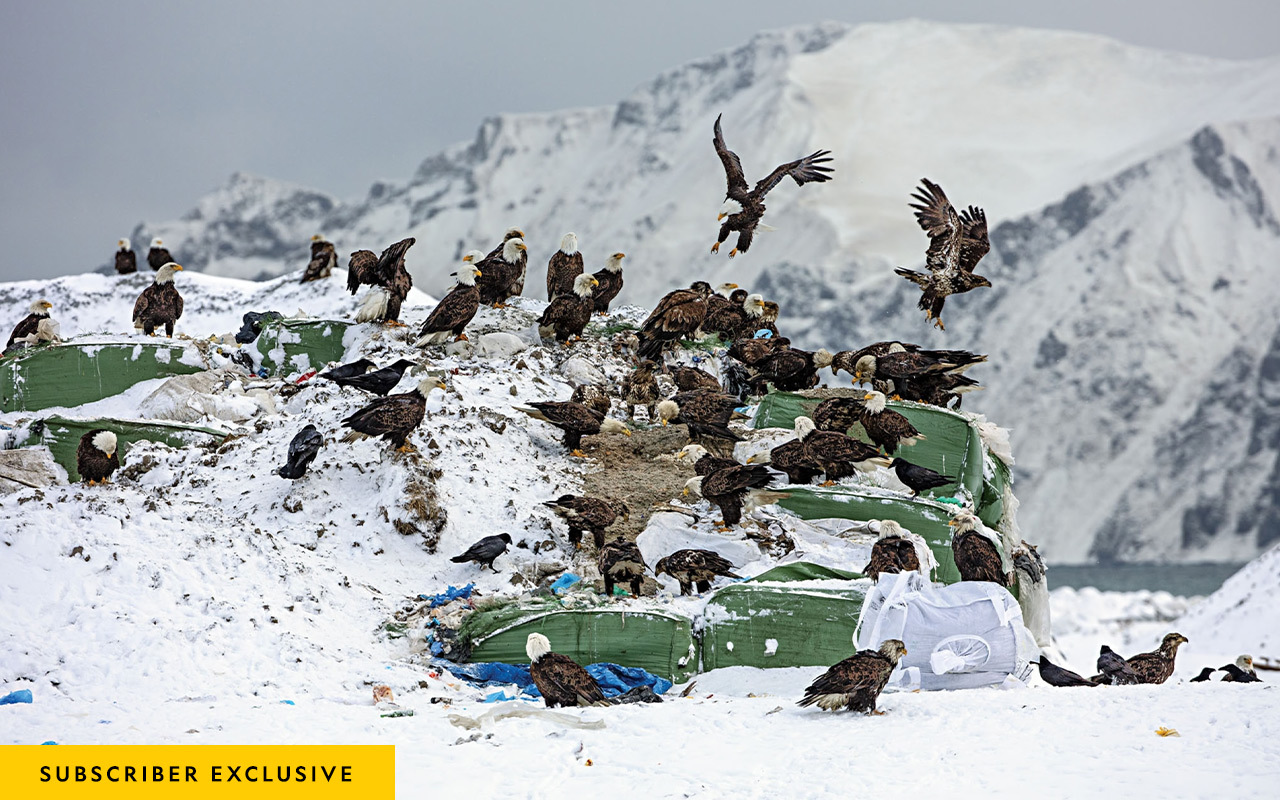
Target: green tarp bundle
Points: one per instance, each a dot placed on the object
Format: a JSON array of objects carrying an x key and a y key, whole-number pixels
[
  {"x": 287, "y": 346},
  {"x": 72, "y": 374},
  {"x": 62, "y": 436}
]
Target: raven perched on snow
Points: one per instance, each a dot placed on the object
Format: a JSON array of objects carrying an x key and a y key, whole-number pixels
[
  {"x": 379, "y": 381},
  {"x": 1055, "y": 675},
  {"x": 302, "y": 451},
  {"x": 485, "y": 551}
]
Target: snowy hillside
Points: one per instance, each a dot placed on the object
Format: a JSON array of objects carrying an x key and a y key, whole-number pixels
[{"x": 1242, "y": 616}]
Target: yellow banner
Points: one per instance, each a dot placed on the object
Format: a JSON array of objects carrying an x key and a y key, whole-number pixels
[{"x": 231, "y": 772}]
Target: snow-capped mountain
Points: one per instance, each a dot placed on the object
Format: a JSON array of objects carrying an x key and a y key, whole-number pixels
[{"x": 1131, "y": 194}]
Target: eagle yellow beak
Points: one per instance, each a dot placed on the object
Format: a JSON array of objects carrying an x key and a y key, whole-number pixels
[
  {"x": 733, "y": 286},
  {"x": 720, "y": 217},
  {"x": 441, "y": 385},
  {"x": 177, "y": 268},
  {"x": 595, "y": 282},
  {"x": 619, "y": 255},
  {"x": 664, "y": 423},
  {"x": 866, "y": 396},
  {"x": 626, "y": 431},
  {"x": 684, "y": 492},
  {"x": 522, "y": 247},
  {"x": 479, "y": 273}
]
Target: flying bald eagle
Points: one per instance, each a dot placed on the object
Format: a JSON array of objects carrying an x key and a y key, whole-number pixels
[
  {"x": 610, "y": 279},
  {"x": 456, "y": 310},
  {"x": 562, "y": 681},
  {"x": 583, "y": 513},
  {"x": 391, "y": 282},
  {"x": 640, "y": 388},
  {"x": 976, "y": 556},
  {"x": 691, "y": 567},
  {"x": 678, "y": 315},
  {"x": 835, "y": 453},
  {"x": 96, "y": 457},
  {"x": 158, "y": 255},
  {"x": 705, "y": 413},
  {"x": 126, "y": 259},
  {"x": 792, "y": 458},
  {"x": 732, "y": 488},
  {"x": 957, "y": 242},
  {"x": 744, "y": 206},
  {"x": 567, "y": 315},
  {"x": 856, "y": 682},
  {"x": 892, "y": 553},
  {"x": 565, "y": 266},
  {"x": 27, "y": 331},
  {"x": 620, "y": 562},
  {"x": 323, "y": 259},
  {"x": 159, "y": 304},
  {"x": 886, "y": 427},
  {"x": 576, "y": 420},
  {"x": 503, "y": 271},
  {"x": 392, "y": 417}
]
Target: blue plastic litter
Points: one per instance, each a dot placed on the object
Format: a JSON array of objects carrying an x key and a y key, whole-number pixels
[
  {"x": 19, "y": 696},
  {"x": 49, "y": 742},
  {"x": 614, "y": 679},
  {"x": 448, "y": 595},
  {"x": 564, "y": 582},
  {"x": 437, "y": 648},
  {"x": 498, "y": 696},
  {"x": 287, "y": 702},
  {"x": 763, "y": 333}
]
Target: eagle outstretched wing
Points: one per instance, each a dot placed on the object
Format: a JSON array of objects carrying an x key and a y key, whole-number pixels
[
  {"x": 804, "y": 170},
  {"x": 974, "y": 244},
  {"x": 938, "y": 218},
  {"x": 737, "y": 181},
  {"x": 360, "y": 269}
]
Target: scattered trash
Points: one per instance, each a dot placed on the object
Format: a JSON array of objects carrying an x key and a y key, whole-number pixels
[
  {"x": 774, "y": 711},
  {"x": 521, "y": 711},
  {"x": 1163, "y": 731},
  {"x": 688, "y": 689},
  {"x": 382, "y": 694},
  {"x": 306, "y": 376},
  {"x": 448, "y": 595},
  {"x": 400, "y": 712},
  {"x": 253, "y": 322},
  {"x": 49, "y": 742},
  {"x": 19, "y": 696},
  {"x": 562, "y": 583},
  {"x": 614, "y": 679},
  {"x": 287, "y": 702}
]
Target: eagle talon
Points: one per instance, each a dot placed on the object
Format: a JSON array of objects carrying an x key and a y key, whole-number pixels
[
  {"x": 578, "y": 454},
  {"x": 462, "y": 337},
  {"x": 733, "y": 252},
  {"x": 406, "y": 448},
  {"x": 394, "y": 323},
  {"x": 877, "y": 713},
  {"x": 715, "y": 248},
  {"x": 829, "y": 483}
]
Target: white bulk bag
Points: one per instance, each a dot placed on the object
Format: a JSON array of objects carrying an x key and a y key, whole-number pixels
[{"x": 962, "y": 636}]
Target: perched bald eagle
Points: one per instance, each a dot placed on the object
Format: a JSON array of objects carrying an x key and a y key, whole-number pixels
[
  {"x": 610, "y": 279},
  {"x": 564, "y": 267},
  {"x": 1157, "y": 666},
  {"x": 159, "y": 304},
  {"x": 692, "y": 379},
  {"x": 593, "y": 396},
  {"x": 856, "y": 682},
  {"x": 753, "y": 352},
  {"x": 323, "y": 259},
  {"x": 567, "y": 315},
  {"x": 789, "y": 370},
  {"x": 640, "y": 388},
  {"x": 503, "y": 271},
  {"x": 456, "y": 310},
  {"x": 704, "y": 412},
  {"x": 392, "y": 417},
  {"x": 126, "y": 259},
  {"x": 886, "y": 427},
  {"x": 837, "y": 414},
  {"x": 158, "y": 255},
  {"x": 678, "y": 315},
  {"x": 792, "y": 458},
  {"x": 732, "y": 488},
  {"x": 620, "y": 562},
  {"x": 695, "y": 567},
  {"x": 576, "y": 420},
  {"x": 704, "y": 463},
  {"x": 562, "y": 681},
  {"x": 27, "y": 331},
  {"x": 835, "y": 453},
  {"x": 959, "y": 360},
  {"x": 96, "y": 457},
  {"x": 743, "y": 205},
  {"x": 583, "y": 513},
  {"x": 957, "y": 242},
  {"x": 726, "y": 316},
  {"x": 977, "y": 557},
  {"x": 892, "y": 553},
  {"x": 387, "y": 275},
  {"x": 901, "y": 370}
]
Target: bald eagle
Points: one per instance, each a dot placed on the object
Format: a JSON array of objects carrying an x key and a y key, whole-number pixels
[
  {"x": 703, "y": 462},
  {"x": 610, "y": 279},
  {"x": 387, "y": 275},
  {"x": 892, "y": 553},
  {"x": 886, "y": 427},
  {"x": 562, "y": 681},
  {"x": 856, "y": 682},
  {"x": 726, "y": 316},
  {"x": 27, "y": 331},
  {"x": 678, "y": 315},
  {"x": 1157, "y": 666},
  {"x": 565, "y": 266},
  {"x": 792, "y": 458},
  {"x": 392, "y": 417},
  {"x": 753, "y": 352},
  {"x": 503, "y": 270},
  {"x": 837, "y": 414},
  {"x": 158, "y": 255},
  {"x": 583, "y": 513},
  {"x": 568, "y": 314},
  {"x": 976, "y": 556},
  {"x": 159, "y": 304},
  {"x": 593, "y": 396},
  {"x": 323, "y": 259},
  {"x": 835, "y": 453},
  {"x": 640, "y": 388},
  {"x": 732, "y": 488},
  {"x": 744, "y": 206},
  {"x": 705, "y": 413},
  {"x": 789, "y": 370},
  {"x": 96, "y": 457},
  {"x": 620, "y": 562},
  {"x": 576, "y": 420},
  {"x": 957, "y": 242},
  {"x": 692, "y": 379},
  {"x": 692, "y": 567},
  {"x": 456, "y": 310},
  {"x": 126, "y": 259}
]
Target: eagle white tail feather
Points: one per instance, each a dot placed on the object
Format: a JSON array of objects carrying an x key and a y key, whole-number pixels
[
  {"x": 763, "y": 497},
  {"x": 832, "y": 702},
  {"x": 374, "y": 307},
  {"x": 432, "y": 338},
  {"x": 760, "y": 226},
  {"x": 354, "y": 436}
]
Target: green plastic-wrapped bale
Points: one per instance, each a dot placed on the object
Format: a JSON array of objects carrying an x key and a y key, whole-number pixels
[{"x": 84, "y": 371}]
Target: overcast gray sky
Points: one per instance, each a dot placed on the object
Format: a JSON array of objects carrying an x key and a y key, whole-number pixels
[{"x": 116, "y": 112}]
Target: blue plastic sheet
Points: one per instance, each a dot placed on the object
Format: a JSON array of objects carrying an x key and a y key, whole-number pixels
[
  {"x": 448, "y": 595},
  {"x": 20, "y": 696},
  {"x": 564, "y": 582},
  {"x": 614, "y": 679}
]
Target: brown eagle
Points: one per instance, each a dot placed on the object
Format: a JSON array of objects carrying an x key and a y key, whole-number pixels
[
  {"x": 592, "y": 396},
  {"x": 620, "y": 562},
  {"x": 158, "y": 255},
  {"x": 892, "y": 553},
  {"x": 957, "y": 242},
  {"x": 456, "y": 309},
  {"x": 856, "y": 682},
  {"x": 835, "y": 453},
  {"x": 753, "y": 352},
  {"x": 730, "y": 488},
  {"x": 567, "y": 315},
  {"x": 565, "y": 266},
  {"x": 28, "y": 328},
  {"x": 976, "y": 556},
  {"x": 960, "y": 359},
  {"x": 743, "y": 205},
  {"x": 159, "y": 304},
  {"x": 1157, "y": 666},
  {"x": 837, "y": 414},
  {"x": 503, "y": 270},
  {"x": 562, "y": 681},
  {"x": 695, "y": 567},
  {"x": 323, "y": 259},
  {"x": 96, "y": 457},
  {"x": 392, "y": 417},
  {"x": 705, "y": 413},
  {"x": 640, "y": 388},
  {"x": 678, "y": 315},
  {"x": 703, "y": 462},
  {"x": 792, "y": 458},
  {"x": 885, "y": 427},
  {"x": 725, "y": 315},
  {"x": 789, "y": 370},
  {"x": 576, "y": 420},
  {"x": 583, "y": 513},
  {"x": 391, "y": 282},
  {"x": 899, "y": 371},
  {"x": 610, "y": 279},
  {"x": 126, "y": 259},
  {"x": 692, "y": 379}
]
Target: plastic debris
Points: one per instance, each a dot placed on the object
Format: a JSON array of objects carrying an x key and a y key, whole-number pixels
[
  {"x": 563, "y": 583},
  {"x": 19, "y": 696},
  {"x": 1163, "y": 731},
  {"x": 614, "y": 679},
  {"x": 763, "y": 333},
  {"x": 448, "y": 595}
]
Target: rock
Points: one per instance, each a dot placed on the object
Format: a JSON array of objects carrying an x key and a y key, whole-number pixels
[
  {"x": 500, "y": 345},
  {"x": 28, "y": 467},
  {"x": 579, "y": 371}
]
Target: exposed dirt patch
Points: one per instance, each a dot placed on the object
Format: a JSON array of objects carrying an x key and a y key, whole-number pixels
[{"x": 640, "y": 470}]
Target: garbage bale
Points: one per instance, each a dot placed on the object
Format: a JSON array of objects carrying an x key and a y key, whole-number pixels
[
  {"x": 253, "y": 322},
  {"x": 28, "y": 467}
]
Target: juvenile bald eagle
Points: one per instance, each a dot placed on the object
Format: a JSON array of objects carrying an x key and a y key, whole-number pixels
[
  {"x": 856, "y": 682},
  {"x": 485, "y": 551},
  {"x": 1157, "y": 666},
  {"x": 836, "y": 454},
  {"x": 789, "y": 370},
  {"x": 456, "y": 309},
  {"x": 96, "y": 456},
  {"x": 583, "y": 513},
  {"x": 502, "y": 271},
  {"x": 610, "y": 279},
  {"x": 743, "y": 205},
  {"x": 387, "y": 275},
  {"x": 576, "y": 420},
  {"x": 323, "y": 259},
  {"x": 705, "y": 413},
  {"x": 976, "y": 556},
  {"x": 564, "y": 267},
  {"x": 725, "y": 315},
  {"x": 567, "y": 315},
  {"x": 957, "y": 242},
  {"x": 126, "y": 259},
  {"x": 158, "y": 255},
  {"x": 692, "y": 566},
  {"x": 593, "y": 396},
  {"x": 562, "y": 681},
  {"x": 753, "y": 352},
  {"x": 731, "y": 488},
  {"x": 392, "y": 417},
  {"x": 692, "y": 379},
  {"x": 892, "y": 553},
  {"x": 640, "y": 388},
  {"x": 27, "y": 331},
  {"x": 620, "y": 562},
  {"x": 159, "y": 304},
  {"x": 792, "y": 458},
  {"x": 678, "y": 315}
]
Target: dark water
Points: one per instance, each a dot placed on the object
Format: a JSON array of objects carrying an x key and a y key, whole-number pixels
[{"x": 1178, "y": 579}]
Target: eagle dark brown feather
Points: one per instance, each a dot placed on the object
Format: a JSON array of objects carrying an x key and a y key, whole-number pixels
[
  {"x": 26, "y": 327},
  {"x": 454, "y": 312},
  {"x": 891, "y": 555},
  {"x": 1158, "y": 665},
  {"x": 836, "y": 454},
  {"x": 360, "y": 269},
  {"x": 392, "y": 417},
  {"x": 837, "y": 414},
  {"x": 583, "y": 513},
  {"x": 610, "y": 285},
  {"x": 500, "y": 279},
  {"x": 726, "y": 488},
  {"x": 692, "y": 379},
  {"x": 93, "y": 464},
  {"x": 679, "y": 314},
  {"x": 754, "y": 351},
  {"x": 323, "y": 259},
  {"x": 886, "y": 428},
  {"x": 127, "y": 262},
  {"x": 568, "y": 314},
  {"x": 855, "y": 683},
  {"x": 640, "y": 388},
  {"x": 592, "y": 396},
  {"x": 978, "y": 559},
  {"x": 691, "y": 567},
  {"x": 575, "y": 419},
  {"x": 157, "y": 257},
  {"x": 158, "y": 305},
  {"x": 563, "y": 682},
  {"x": 792, "y": 458},
  {"x": 620, "y": 562},
  {"x": 562, "y": 269}
]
